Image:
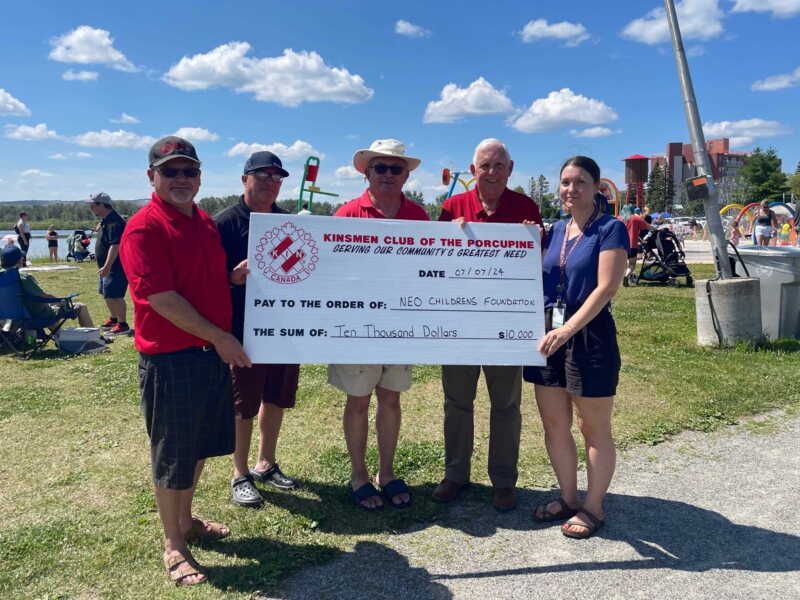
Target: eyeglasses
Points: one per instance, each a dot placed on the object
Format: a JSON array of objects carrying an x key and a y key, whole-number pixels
[
  {"x": 267, "y": 175},
  {"x": 381, "y": 169},
  {"x": 171, "y": 172}
]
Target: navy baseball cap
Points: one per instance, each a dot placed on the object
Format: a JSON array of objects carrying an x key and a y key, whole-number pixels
[
  {"x": 262, "y": 160},
  {"x": 171, "y": 147},
  {"x": 10, "y": 256}
]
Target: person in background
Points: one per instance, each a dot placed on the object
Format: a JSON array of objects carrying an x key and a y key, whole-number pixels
[
  {"x": 113, "y": 284},
  {"x": 766, "y": 224},
  {"x": 52, "y": 243},
  {"x": 23, "y": 229},
  {"x": 304, "y": 210},
  {"x": 636, "y": 226},
  {"x": 582, "y": 268}
]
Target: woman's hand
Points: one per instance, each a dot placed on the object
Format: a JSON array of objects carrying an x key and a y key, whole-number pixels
[{"x": 554, "y": 339}]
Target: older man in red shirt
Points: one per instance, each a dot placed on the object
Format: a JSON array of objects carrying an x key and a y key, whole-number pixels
[
  {"x": 490, "y": 201},
  {"x": 173, "y": 258}
]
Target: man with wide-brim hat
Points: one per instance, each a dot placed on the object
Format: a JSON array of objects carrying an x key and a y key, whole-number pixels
[
  {"x": 386, "y": 168},
  {"x": 172, "y": 255}
]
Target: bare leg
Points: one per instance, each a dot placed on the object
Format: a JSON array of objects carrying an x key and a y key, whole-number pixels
[
  {"x": 270, "y": 418},
  {"x": 173, "y": 508},
  {"x": 387, "y": 425},
  {"x": 244, "y": 431},
  {"x": 84, "y": 319},
  {"x": 117, "y": 309},
  {"x": 555, "y": 409},
  {"x": 356, "y": 426},
  {"x": 594, "y": 421}
]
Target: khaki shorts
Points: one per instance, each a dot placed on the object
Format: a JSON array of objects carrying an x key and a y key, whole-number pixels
[{"x": 361, "y": 380}]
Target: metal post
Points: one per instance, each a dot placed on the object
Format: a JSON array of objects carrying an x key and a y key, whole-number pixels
[{"x": 710, "y": 204}]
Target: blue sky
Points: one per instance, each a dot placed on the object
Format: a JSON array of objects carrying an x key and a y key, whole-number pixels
[{"x": 86, "y": 87}]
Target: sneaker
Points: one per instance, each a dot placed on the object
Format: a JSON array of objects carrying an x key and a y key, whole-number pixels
[
  {"x": 109, "y": 323},
  {"x": 119, "y": 328},
  {"x": 275, "y": 476}
]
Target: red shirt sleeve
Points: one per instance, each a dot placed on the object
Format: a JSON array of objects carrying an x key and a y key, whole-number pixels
[{"x": 146, "y": 260}]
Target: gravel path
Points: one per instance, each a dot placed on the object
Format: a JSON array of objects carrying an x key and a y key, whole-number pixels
[{"x": 702, "y": 516}]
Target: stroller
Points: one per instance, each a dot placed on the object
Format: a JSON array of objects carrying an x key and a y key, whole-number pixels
[
  {"x": 664, "y": 259},
  {"x": 78, "y": 246}
]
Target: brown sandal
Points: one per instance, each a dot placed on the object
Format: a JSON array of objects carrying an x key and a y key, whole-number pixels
[
  {"x": 207, "y": 531},
  {"x": 548, "y": 517},
  {"x": 179, "y": 568},
  {"x": 593, "y": 527}
]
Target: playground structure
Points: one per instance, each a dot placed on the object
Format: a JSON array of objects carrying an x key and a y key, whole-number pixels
[
  {"x": 636, "y": 170},
  {"x": 610, "y": 191},
  {"x": 450, "y": 178},
  {"x": 745, "y": 215},
  {"x": 310, "y": 173}
]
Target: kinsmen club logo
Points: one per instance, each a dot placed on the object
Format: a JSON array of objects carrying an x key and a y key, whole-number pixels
[{"x": 286, "y": 254}]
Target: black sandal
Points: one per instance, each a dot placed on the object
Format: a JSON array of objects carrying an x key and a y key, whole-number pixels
[
  {"x": 593, "y": 527},
  {"x": 548, "y": 517}
]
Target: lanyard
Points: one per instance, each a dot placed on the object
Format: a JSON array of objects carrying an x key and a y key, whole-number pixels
[{"x": 564, "y": 256}]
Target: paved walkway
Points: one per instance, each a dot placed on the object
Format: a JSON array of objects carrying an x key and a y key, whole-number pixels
[{"x": 702, "y": 516}]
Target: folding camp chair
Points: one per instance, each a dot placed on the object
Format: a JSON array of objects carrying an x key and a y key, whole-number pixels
[{"x": 18, "y": 321}]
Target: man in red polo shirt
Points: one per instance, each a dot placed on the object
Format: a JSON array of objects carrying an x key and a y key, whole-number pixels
[
  {"x": 490, "y": 201},
  {"x": 386, "y": 168},
  {"x": 174, "y": 262}
]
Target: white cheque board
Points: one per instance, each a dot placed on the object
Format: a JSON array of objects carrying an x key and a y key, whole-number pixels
[{"x": 380, "y": 291}]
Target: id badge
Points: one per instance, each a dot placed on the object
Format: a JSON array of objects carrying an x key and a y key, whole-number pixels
[{"x": 558, "y": 315}]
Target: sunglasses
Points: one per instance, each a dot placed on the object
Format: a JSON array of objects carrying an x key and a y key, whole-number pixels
[
  {"x": 171, "y": 172},
  {"x": 267, "y": 175},
  {"x": 381, "y": 169}
]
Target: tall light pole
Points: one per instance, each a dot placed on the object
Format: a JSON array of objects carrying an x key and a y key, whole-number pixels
[{"x": 710, "y": 204}]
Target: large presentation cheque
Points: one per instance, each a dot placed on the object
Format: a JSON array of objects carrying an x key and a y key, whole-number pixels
[{"x": 376, "y": 291}]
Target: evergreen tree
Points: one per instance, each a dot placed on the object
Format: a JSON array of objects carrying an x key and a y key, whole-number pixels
[
  {"x": 669, "y": 189},
  {"x": 655, "y": 190},
  {"x": 762, "y": 173}
]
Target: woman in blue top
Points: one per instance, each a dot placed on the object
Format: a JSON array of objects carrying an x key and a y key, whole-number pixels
[{"x": 584, "y": 261}]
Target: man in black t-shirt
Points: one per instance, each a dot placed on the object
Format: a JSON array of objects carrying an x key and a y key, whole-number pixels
[{"x": 113, "y": 283}]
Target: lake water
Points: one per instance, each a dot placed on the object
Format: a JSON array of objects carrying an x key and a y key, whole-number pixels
[{"x": 38, "y": 247}]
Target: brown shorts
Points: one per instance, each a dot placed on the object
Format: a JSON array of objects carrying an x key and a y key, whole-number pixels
[{"x": 271, "y": 384}]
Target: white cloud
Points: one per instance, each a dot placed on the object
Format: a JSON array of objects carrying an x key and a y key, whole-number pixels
[
  {"x": 35, "y": 173},
  {"x": 695, "y": 51},
  {"x": 70, "y": 75},
  {"x": 114, "y": 139},
  {"x": 27, "y": 133},
  {"x": 778, "y": 8},
  {"x": 10, "y": 106},
  {"x": 58, "y": 156},
  {"x": 571, "y": 34},
  {"x": 298, "y": 150},
  {"x": 410, "y": 30},
  {"x": 289, "y": 79},
  {"x": 699, "y": 20},
  {"x": 413, "y": 185},
  {"x": 455, "y": 103},
  {"x": 83, "y": 155},
  {"x": 347, "y": 172},
  {"x": 86, "y": 45},
  {"x": 196, "y": 134},
  {"x": 126, "y": 119},
  {"x": 563, "y": 109},
  {"x": 594, "y": 132},
  {"x": 743, "y": 133},
  {"x": 777, "y": 82}
]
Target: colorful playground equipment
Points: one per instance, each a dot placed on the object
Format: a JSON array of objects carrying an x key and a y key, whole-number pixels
[
  {"x": 746, "y": 216},
  {"x": 310, "y": 173},
  {"x": 610, "y": 191},
  {"x": 452, "y": 177}
]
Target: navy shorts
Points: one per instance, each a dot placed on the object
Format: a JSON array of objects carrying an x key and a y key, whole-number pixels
[
  {"x": 187, "y": 402},
  {"x": 588, "y": 364},
  {"x": 113, "y": 286},
  {"x": 270, "y": 384}
]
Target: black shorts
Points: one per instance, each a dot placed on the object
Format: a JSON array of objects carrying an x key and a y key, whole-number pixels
[
  {"x": 187, "y": 402},
  {"x": 113, "y": 286},
  {"x": 588, "y": 364}
]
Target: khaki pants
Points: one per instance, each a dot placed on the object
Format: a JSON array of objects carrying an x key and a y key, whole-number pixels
[{"x": 460, "y": 383}]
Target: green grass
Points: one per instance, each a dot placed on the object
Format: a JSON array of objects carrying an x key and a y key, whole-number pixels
[{"x": 77, "y": 514}]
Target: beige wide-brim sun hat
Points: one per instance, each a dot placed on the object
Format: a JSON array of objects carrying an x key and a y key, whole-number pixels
[{"x": 387, "y": 148}]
